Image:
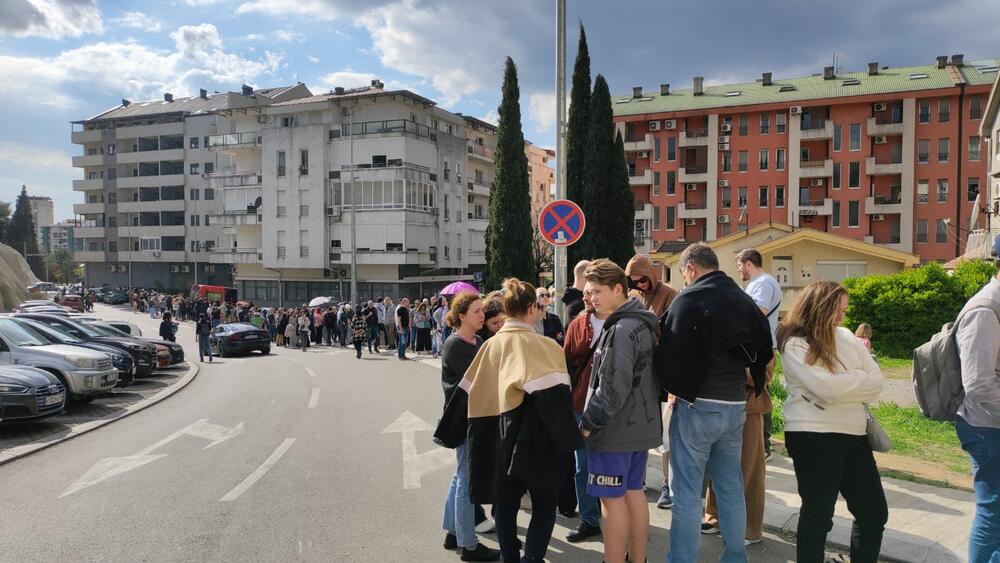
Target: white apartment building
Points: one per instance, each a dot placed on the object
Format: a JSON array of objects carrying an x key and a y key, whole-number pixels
[
  {"x": 41, "y": 215},
  {"x": 295, "y": 172},
  {"x": 989, "y": 195},
  {"x": 147, "y": 198},
  {"x": 58, "y": 236}
]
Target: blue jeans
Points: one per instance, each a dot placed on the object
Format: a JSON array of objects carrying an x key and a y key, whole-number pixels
[
  {"x": 203, "y": 348},
  {"x": 590, "y": 507},
  {"x": 706, "y": 437},
  {"x": 459, "y": 515},
  {"x": 401, "y": 343},
  {"x": 328, "y": 335},
  {"x": 983, "y": 445},
  {"x": 373, "y": 337}
]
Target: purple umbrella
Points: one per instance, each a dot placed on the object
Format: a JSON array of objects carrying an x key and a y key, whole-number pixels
[{"x": 460, "y": 287}]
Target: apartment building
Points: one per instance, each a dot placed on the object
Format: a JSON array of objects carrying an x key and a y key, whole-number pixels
[
  {"x": 541, "y": 177},
  {"x": 59, "y": 236},
  {"x": 146, "y": 169},
  {"x": 890, "y": 156},
  {"x": 297, "y": 171},
  {"x": 989, "y": 198},
  {"x": 41, "y": 214}
]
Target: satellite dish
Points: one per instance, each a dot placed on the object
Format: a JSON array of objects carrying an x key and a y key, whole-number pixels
[{"x": 257, "y": 202}]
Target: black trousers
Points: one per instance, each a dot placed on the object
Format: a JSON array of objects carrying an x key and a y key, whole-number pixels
[
  {"x": 543, "y": 519},
  {"x": 828, "y": 464}
]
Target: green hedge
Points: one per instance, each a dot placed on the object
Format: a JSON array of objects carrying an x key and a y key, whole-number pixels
[{"x": 906, "y": 308}]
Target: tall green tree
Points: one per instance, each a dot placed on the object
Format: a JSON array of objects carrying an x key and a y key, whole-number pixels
[
  {"x": 60, "y": 265},
  {"x": 576, "y": 135},
  {"x": 621, "y": 226},
  {"x": 21, "y": 235},
  {"x": 598, "y": 165},
  {"x": 509, "y": 235},
  {"x": 4, "y": 220}
]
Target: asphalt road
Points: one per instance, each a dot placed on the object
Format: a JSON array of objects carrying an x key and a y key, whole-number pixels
[{"x": 277, "y": 458}]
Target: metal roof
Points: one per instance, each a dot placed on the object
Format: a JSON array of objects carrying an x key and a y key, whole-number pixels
[
  {"x": 887, "y": 81},
  {"x": 190, "y": 105},
  {"x": 366, "y": 92}
]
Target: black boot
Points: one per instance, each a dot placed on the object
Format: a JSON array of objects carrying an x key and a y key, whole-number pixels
[
  {"x": 583, "y": 532},
  {"x": 480, "y": 553}
]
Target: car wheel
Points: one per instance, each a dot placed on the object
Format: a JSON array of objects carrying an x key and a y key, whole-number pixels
[{"x": 265, "y": 351}]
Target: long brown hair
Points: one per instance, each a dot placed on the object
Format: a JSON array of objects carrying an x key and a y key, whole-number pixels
[{"x": 810, "y": 319}]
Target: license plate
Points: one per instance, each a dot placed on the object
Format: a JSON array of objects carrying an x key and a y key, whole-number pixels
[
  {"x": 54, "y": 399},
  {"x": 250, "y": 337}
]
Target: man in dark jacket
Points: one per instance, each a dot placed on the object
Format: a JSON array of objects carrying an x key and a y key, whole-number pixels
[
  {"x": 573, "y": 296},
  {"x": 712, "y": 336},
  {"x": 330, "y": 326}
]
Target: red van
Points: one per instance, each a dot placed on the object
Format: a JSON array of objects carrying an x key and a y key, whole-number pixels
[{"x": 214, "y": 293}]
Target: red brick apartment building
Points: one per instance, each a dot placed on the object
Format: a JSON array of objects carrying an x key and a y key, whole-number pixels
[{"x": 891, "y": 156}]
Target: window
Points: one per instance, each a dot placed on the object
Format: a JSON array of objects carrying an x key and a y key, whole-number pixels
[
  {"x": 303, "y": 211},
  {"x": 742, "y": 201},
  {"x": 281, "y": 244},
  {"x": 671, "y": 182},
  {"x": 855, "y": 137},
  {"x": 835, "y": 219},
  {"x": 656, "y": 183},
  {"x": 209, "y": 193},
  {"x": 944, "y": 111},
  {"x": 744, "y": 125},
  {"x": 280, "y": 211},
  {"x": 743, "y": 156},
  {"x": 942, "y": 191},
  {"x": 923, "y": 191},
  {"x": 779, "y": 196},
  {"x": 762, "y": 196},
  {"x": 975, "y": 107},
  {"x": 303, "y": 162},
  {"x": 209, "y": 167},
  {"x": 854, "y": 175},
  {"x": 281, "y": 163},
  {"x": 781, "y": 122},
  {"x": 921, "y": 230},
  {"x": 288, "y": 121},
  {"x": 196, "y": 220},
  {"x": 656, "y": 149},
  {"x": 656, "y": 218},
  {"x": 671, "y": 148},
  {"x": 113, "y": 246},
  {"x": 974, "y": 148},
  {"x": 765, "y": 123},
  {"x": 853, "y": 214},
  {"x": 923, "y": 151},
  {"x": 193, "y": 142},
  {"x": 112, "y": 197},
  {"x": 779, "y": 157},
  {"x": 941, "y": 231},
  {"x": 194, "y": 246},
  {"x": 194, "y": 167},
  {"x": 194, "y": 195},
  {"x": 149, "y": 243},
  {"x": 763, "y": 159},
  {"x": 944, "y": 149},
  {"x": 671, "y": 217},
  {"x": 924, "y": 114},
  {"x": 727, "y": 198},
  {"x": 111, "y": 149},
  {"x": 727, "y": 161},
  {"x": 836, "y": 175},
  {"x": 303, "y": 248},
  {"x": 973, "y": 189},
  {"x": 838, "y": 135}
]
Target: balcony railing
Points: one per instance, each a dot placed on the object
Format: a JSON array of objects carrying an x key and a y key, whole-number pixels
[
  {"x": 696, "y": 168},
  {"x": 814, "y": 124},
  {"x": 480, "y": 150},
  {"x": 234, "y": 139},
  {"x": 699, "y": 132},
  {"x": 696, "y": 205},
  {"x": 401, "y": 126},
  {"x": 888, "y": 200},
  {"x": 230, "y": 180},
  {"x": 889, "y": 160}
]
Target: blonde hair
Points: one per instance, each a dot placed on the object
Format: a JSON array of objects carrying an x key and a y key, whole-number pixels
[
  {"x": 864, "y": 331},
  {"x": 518, "y": 297},
  {"x": 810, "y": 319},
  {"x": 460, "y": 306}
]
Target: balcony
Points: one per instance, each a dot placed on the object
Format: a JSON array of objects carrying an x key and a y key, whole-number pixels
[
  {"x": 82, "y": 161},
  {"x": 136, "y": 157},
  {"x": 154, "y": 205},
  {"x": 693, "y": 173},
  {"x": 89, "y": 256},
  {"x": 813, "y": 208},
  {"x": 635, "y": 143},
  {"x": 882, "y": 167},
  {"x": 151, "y": 130},
  {"x": 478, "y": 223},
  {"x": 150, "y": 181},
  {"x": 645, "y": 178},
  {"x": 883, "y": 205},
  {"x": 482, "y": 152},
  {"x": 234, "y": 180},
  {"x": 86, "y": 185},
  {"x": 875, "y": 128},
  {"x": 88, "y": 232},
  {"x": 152, "y": 256},
  {"x": 153, "y": 230},
  {"x": 87, "y": 136},
  {"x": 643, "y": 211},
  {"x": 816, "y": 168},
  {"x": 692, "y": 211},
  {"x": 88, "y": 208},
  {"x": 388, "y": 127},
  {"x": 235, "y": 141},
  {"x": 237, "y": 255},
  {"x": 817, "y": 130},
  {"x": 693, "y": 138},
  {"x": 480, "y": 187}
]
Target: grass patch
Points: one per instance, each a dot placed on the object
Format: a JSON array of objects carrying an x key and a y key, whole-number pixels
[
  {"x": 916, "y": 436},
  {"x": 896, "y": 368}
]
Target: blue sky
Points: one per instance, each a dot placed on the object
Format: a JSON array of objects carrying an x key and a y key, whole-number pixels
[{"x": 63, "y": 60}]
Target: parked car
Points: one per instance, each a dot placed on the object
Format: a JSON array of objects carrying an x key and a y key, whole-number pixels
[
  {"x": 97, "y": 292},
  {"x": 46, "y": 288},
  {"x": 73, "y": 301},
  {"x": 175, "y": 349},
  {"x": 86, "y": 374},
  {"x": 115, "y": 297},
  {"x": 143, "y": 353},
  {"x": 120, "y": 359},
  {"x": 28, "y": 393},
  {"x": 228, "y": 339},
  {"x": 128, "y": 327}
]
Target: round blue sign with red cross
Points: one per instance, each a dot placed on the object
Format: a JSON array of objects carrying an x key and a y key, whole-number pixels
[{"x": 561, "y": 222}]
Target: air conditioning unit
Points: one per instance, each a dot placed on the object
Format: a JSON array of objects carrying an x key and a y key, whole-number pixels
[
  {"x": 816, "y": 182},
  {"x": 333, "y": 211},
  {"x": 654, "y": 125},
  {"x": 156, "y": 253},
  {"x": 878, "y": 217},
  {"x": 879, "y": 107},
  {"x": 880, "y": 140},
  {"x": 261, "y": 119},
  {"x": 690, "y": 222},
  {"x": 723, "y": 183},
  {"x": 690, "y": 187},
  {"x": 175, "y": 269},
  {"x": 795, "y": 110},
  {"x": 643, "y": 154},
  {"x": 726, "y": 127},
  {"x": 723, "y": 147},
  {"x": 724, "y": 139},
  {"x": 112, "y": 268},
  {"x": 723, "y": 218},
  {"x": 186, "y": 269},
  {"x": 669, "y": 124}
]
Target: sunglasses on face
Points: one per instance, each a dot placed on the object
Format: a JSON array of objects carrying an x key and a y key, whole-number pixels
[
  {"x": 543, "y": 295},
  {"x": 634, "y": 284}
]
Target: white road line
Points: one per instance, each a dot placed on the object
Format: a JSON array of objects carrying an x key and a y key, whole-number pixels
[
  {"x": 259, "y": 472},
  {"x": 310, "y": 371},
  {"x": 314, "y": 399}
]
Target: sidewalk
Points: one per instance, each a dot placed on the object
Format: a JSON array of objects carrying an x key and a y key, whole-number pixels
[{"x": 926, "y": 523}]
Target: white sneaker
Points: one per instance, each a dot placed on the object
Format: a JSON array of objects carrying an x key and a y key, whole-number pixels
[
  {"x": 486, "y": 526},
  {"x": 752, "y": 542}
]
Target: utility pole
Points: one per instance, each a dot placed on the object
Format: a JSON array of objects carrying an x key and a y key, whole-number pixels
[
  {"x": 354, "y": 221},
  {"x": 559, "y": 258}
]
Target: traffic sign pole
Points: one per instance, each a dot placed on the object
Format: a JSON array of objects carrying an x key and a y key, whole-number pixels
[{"x": 559, "y": 258}]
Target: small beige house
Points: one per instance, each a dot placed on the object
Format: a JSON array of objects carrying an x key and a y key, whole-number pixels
[{"x": 796, "y": 257}]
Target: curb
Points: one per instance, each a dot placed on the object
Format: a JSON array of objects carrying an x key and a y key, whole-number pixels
[{"x": 18, "y": 452}]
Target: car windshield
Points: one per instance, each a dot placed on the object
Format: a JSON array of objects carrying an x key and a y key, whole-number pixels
[
  {"x": 105, "y": 330},
  {"x": 49, "y": 333},
  {"x": 17, "y": 335},
  {"x": 71, "y": 326}
]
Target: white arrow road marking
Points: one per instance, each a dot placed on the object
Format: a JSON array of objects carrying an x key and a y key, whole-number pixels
[
  {"x": 259, "y": 472},
  {"x": 314, "y": 399},
  {"x": 109, "y": 467},
  {"x": 310, "y": 372},
  {"x": 417, "y": 465}
]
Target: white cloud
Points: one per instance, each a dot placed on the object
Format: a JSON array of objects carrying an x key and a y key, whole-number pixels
[
  {"x": 284, "y": 36},
  {"x": 138, "y": 20},
  {"x": 253, "y": 37},
  {"x": 201, "y": 2},
  {"x": 347, "y": 79},
  {"x": 133, "y": 70},
  {"x": 312, "y": 59},
  {"x": 52, "y": 19},
  {"x": 18, "y": 155},
  {"x": 491, "y": 117},
  {"x": 542, "y": 110}
]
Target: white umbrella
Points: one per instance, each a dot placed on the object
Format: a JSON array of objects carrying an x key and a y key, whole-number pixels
[{"x": 319, "y": 301}]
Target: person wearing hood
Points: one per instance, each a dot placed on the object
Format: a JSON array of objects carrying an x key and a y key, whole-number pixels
[
  {"x": 573, "y": 296},
  {"x": 621, "y": 420}
]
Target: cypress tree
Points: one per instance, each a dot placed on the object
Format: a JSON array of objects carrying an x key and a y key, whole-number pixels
[
  {"x": 621, "y": 227},
  {"x": 21, "y": 235},
  {"x": 508, "y": 238},
  {"x": 597, "y": 170},
  {"x": 576, "y": 135},
  {"x": 4, "y": 221}
]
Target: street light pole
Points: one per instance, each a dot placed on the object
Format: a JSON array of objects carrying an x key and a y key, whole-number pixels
[
  {"x": 354, "y": 217},
  {"x": 559, "y": 259}
]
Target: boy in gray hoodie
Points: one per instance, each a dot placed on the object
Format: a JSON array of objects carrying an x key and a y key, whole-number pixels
[{"x": 621, "y": 419}]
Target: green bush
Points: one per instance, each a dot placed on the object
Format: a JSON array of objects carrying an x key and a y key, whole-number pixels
[
  {"x": 906, "y": 308},
  {"x": 776, "y": 389}
]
